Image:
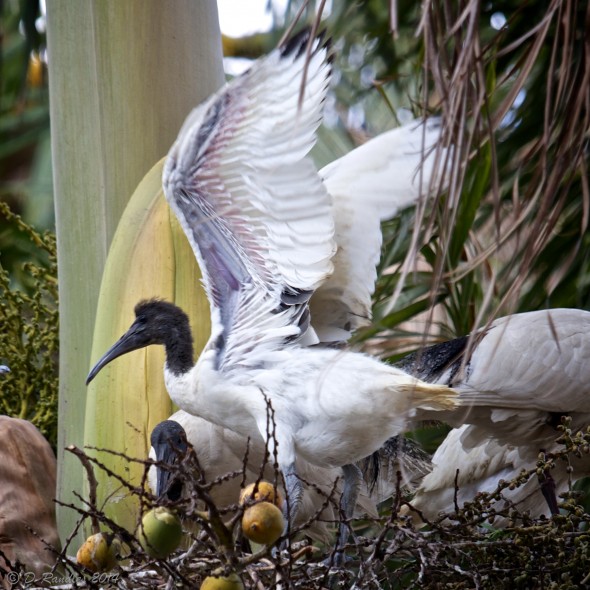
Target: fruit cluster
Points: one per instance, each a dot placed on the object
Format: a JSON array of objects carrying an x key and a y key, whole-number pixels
[{"x": 160, "y": 534}]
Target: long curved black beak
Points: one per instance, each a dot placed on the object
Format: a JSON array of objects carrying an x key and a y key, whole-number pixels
[
  {"x": 167, "y": 483},
  {"x": 133, "y": 339}
]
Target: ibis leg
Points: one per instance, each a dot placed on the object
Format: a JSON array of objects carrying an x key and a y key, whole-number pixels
[
  {"x": 352, "y": 485},
  {"x": 294, "y": 491}
]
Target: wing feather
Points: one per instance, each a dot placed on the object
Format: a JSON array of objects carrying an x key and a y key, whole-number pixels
[
  {"x": 534, "y": 360},
  {"x": 251, "y": 201},
  {"x": 368, "y": 185}
]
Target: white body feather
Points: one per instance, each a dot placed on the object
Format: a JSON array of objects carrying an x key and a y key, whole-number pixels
[
  {"x": 524, "y": 368},
  {"x": 459, "y": 473},
  {"x": 536, "y": 360},
  {"x": 524, "y": 372},
  {"x": 331, "y": 407}
]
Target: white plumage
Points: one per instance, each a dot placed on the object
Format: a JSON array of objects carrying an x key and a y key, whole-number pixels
[
  {"x": 460, "y": 472},
  {"x": 262, "y": 227},
  {"x": 370, "y": 184},
  {"x": 521, "y": 376}
]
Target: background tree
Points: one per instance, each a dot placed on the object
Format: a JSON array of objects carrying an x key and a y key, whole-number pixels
[{"x": 123, "y": 77}]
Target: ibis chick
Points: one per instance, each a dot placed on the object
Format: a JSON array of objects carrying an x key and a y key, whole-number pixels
[{"x": 221, "y": 451}]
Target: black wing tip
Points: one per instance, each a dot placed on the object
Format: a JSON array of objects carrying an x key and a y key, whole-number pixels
[
  {"x": 294, "y": 296},
  {"x": 296, "y": 45}
]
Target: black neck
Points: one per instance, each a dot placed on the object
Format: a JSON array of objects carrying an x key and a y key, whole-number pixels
[{"x": 179, "y": 349}]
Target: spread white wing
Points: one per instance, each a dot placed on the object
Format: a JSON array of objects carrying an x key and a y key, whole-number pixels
[
  {"x": 251, "y": 202},
  {"x": 370, "y": 184}
]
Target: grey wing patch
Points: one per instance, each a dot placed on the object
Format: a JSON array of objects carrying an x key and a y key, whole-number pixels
[
  {"x": 216, "y": 243},
  {"x": 219, "y": 251},
  {"x": 211, "y": 119}
]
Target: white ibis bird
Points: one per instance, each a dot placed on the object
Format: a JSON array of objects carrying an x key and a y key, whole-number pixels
[
  {"x": 221, "y": 451},
  {"x": 515, "y": 382},
  {"x": 4, "y": 369},
  {"x": 261, "y": 225},
  {"x": 368, "y": 185}
]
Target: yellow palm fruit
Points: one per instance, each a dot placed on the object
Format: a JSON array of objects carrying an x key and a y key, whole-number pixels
[
  {"x": 263, "y": 523},
  {"x": 99, "y": 552},
  {"x": 231, "y": 582},
  {"x": 265, "y": 492}
]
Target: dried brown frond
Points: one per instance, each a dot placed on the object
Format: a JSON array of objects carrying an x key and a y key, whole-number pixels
[
  {"x": 543, "y": 57},
  {"x": 510, "y": 232}
]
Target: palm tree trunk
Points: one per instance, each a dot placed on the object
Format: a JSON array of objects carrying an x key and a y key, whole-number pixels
[{"x": 123, "y": 76}]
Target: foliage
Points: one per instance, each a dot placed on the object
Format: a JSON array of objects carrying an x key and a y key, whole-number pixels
[
  {"x": 29, "y": 337},
  {"x": 459, "y": 550},
  {"x": 25, "y": 156},
  {"x": 516, "y": 109},
  {"x": 511, "y": 82}
]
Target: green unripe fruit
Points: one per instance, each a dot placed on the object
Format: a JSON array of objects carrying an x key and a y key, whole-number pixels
[{"x": 160, "y": 532}]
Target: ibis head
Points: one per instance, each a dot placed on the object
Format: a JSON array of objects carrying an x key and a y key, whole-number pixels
[
  {"x": 156, "y": 322},
  {"x": 169, "y": 443}
]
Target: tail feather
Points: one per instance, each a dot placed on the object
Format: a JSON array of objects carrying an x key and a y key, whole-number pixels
[{"x": 428, "y": 396}]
